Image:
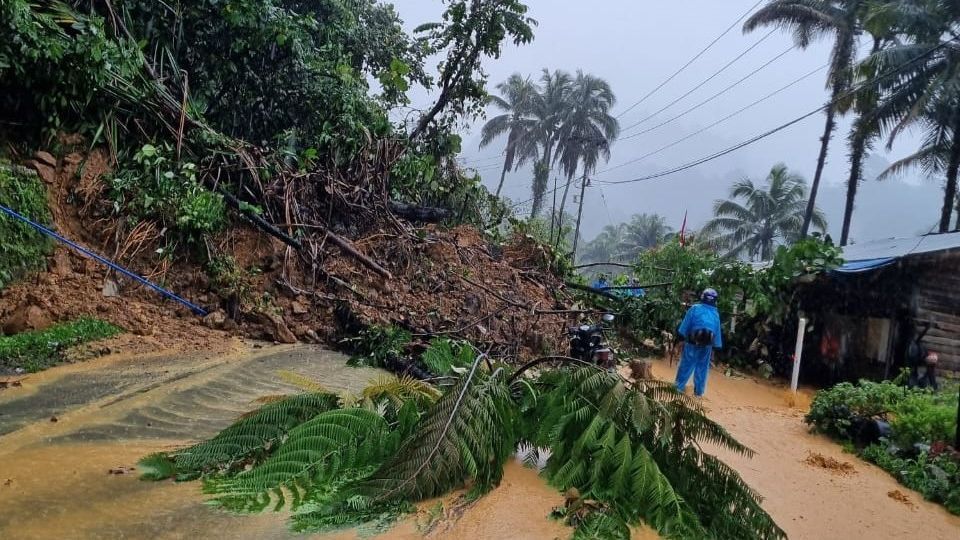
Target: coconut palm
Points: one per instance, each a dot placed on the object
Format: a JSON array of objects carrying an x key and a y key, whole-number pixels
[
  {"x": 587, "y": 128},
  {"x": 605, "y": 247},
  {"x": 925, "y": 93},
  {"x": 757, "y": 218},
  {"x": 548, "y": 108},
  {"x": 809, "y": 20},
  {"x": 515, "y": 100},
  {"x": 644, "y": 231},
  {"x": 863, "y": 135}
]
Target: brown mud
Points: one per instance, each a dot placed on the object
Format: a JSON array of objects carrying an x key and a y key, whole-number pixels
[{"x": 809, "y": 502}]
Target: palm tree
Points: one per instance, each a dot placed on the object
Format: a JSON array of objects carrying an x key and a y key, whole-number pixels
[
  {"x": 755, "y": 219},
  {"x": 515, "y": 100},
  {"x": 809, "y": 20},
  {"x": 587, "y": 128},
  {"x": 865, "y": 129},
  {"x": 925, "y": 92},
  {"x": 644, "y": 231},
  {"x": 547, "y": 107},
  {"x": 605, "y": 247}
]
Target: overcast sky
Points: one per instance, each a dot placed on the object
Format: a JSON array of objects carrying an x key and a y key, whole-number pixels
[{"x": 636, "y": 46}]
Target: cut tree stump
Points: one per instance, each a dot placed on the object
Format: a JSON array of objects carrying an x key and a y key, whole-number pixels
[{"x": 641, "y": 370}]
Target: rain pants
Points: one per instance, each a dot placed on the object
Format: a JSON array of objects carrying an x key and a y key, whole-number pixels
[{"x": 695, "y": 359}]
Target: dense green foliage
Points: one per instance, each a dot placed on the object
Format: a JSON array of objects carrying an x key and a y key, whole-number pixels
[
  {"x": 23, "y": 249},
  {"x": 921, "y": 421},
  {"x": 40, "y": 349},
  {"x": 624, "y": 242},
  {"x": 758, "y": 296},
  {"x": 375, "y": 344},
  {"x": 756, "y": 219},
  {"x": 633, "y": 447}
]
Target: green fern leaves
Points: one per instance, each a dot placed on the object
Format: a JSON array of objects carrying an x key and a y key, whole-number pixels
[
  {"x": 633, "y": 450},
  {"x": 329, "y": 446},
  {"x": 251, "y": 437},
  {"x": 469, "y": 433}
]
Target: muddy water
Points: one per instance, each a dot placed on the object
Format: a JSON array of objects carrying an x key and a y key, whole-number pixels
[
  {"x": 810, "y": 502},
  {"x": 55, "y": 479}
]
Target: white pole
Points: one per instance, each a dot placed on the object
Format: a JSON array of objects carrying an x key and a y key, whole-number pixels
[{"x": 797, "y": 353}]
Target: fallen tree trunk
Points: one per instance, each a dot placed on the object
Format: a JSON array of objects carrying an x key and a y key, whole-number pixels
[{"x": 424, "y": 214}]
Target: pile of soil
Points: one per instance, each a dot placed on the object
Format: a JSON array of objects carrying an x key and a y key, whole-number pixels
[
  {"x": 843, "y": 468},
  {"x": 443, "y": 282}
]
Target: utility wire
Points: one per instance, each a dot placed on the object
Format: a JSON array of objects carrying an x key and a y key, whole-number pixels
[
  {"x": 781, "y": 127},
  {"x": 713, "y": 97},
  {"x": 692, "y": 60},
  {"x": 705, "y": 81},
  {"x": 714, "y": 124}
]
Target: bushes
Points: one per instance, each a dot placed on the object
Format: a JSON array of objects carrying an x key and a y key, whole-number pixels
[
  {"x": 157, "y": 187},
  {"x": 34, "y": 351},
  {"x": 22, "y": 248},
  {"x": 921, "y": 422},
  {"x": 834, "y": 410}
]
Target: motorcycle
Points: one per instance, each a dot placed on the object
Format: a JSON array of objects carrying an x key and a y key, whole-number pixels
[{"x": 588, "y": 343}]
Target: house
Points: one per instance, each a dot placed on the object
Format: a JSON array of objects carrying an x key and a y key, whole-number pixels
[{"x": 862, "y": 314}]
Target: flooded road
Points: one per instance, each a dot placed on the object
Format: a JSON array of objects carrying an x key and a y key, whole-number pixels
[
  {"x": 807, "y": 501},
  {"x": 66, "y": 429}
]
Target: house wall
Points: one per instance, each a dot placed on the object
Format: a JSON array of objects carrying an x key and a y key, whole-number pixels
[{"x": 936, "y": 299}]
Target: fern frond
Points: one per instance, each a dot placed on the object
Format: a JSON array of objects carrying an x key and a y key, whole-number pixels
[
  {"x": 444, "y": 355},
  {"x": 602, "y": 526},
  {"x": 467, "y": 433},
  {"x": 318, "y": 451},
  {"x": 399, "y": 390},
  {"x": 303, "y": 382},
  {"x": 254, "y": 434}
]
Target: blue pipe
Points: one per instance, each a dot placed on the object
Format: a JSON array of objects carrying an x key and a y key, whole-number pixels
[{"x": 197, "y": 310}]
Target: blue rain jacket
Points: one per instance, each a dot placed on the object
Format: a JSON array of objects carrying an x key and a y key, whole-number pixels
[{"x": 697, "y": 317}]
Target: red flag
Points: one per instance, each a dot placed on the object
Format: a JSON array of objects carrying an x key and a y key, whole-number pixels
[{"x": 683, "y": 228}]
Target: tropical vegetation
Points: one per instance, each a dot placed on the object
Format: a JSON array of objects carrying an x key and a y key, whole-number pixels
[
  {"x": 338, "y": 461},
  {"x": 563, "y": 121},
  {"x": 922, "y": 424},
  {"x": 624, "y": 242},
  {"x": 756, "y": 219}
]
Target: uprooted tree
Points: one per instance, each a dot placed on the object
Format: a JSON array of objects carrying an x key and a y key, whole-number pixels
[{"x": 633, "y": 448}]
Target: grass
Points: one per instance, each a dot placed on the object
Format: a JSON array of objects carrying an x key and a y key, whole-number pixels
[{"x": 37, "y": 350}]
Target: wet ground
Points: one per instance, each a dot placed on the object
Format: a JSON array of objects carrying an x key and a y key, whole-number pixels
[
  {"x": 852, "y": 501},
  {"x": 65, "y": 429}
]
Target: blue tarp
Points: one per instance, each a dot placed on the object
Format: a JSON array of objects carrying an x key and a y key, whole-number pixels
[{"x": 854, "y": 267}]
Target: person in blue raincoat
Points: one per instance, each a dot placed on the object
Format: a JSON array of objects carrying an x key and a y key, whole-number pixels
[{"x": 700, "y": 331}]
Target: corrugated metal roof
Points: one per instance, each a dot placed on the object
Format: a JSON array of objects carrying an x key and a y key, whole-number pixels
[{"x": 892, "y": 248}]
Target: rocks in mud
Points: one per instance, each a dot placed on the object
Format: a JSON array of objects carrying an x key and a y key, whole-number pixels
[
  {"x": 215, "y": 319},
  {"x": 281, "y": 332},
  {"x": 300, "y": 306},
  {"x": 110, "y": 288},
  {"x": 60, "y": 264},
  {"x": 24, "y": 318},
  {"x": 641, "y": 370}
]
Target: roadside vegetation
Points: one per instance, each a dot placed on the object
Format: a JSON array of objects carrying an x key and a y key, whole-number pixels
[
  {"x": 22, "y": 249},
  {"x": 917, "y": 451},
  {"x": 633, "y": 448},
  {"x": 37, "y": 350}
]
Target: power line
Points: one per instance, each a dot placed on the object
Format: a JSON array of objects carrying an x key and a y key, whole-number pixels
[
  {"x": 708, "y": 79},
  {"x": 714, "y": 124},
  {"x": 711, "y": 98},
  {"x": 766, "y": 134},
  {"x": 692, "y": 60},
  {"x": 781, "y": 127}
]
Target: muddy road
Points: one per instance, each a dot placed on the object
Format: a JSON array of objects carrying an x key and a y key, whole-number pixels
[{"x": 66, "y": 433}]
